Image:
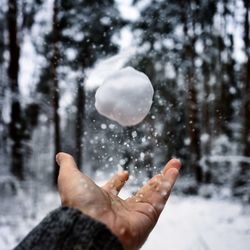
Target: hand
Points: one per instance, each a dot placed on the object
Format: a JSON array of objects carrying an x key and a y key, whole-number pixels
[{"x": 131, "y": 220}]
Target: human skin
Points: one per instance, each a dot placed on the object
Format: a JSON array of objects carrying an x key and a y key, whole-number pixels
[{"x": 132, "y": 219}]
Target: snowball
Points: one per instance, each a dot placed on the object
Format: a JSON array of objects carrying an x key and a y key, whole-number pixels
[{"x": 125, "y": 97}]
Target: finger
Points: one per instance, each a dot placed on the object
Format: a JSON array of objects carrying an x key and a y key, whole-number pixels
[
  {"x": 115, "y": 184},
  {"x": 157, "y": 190},
  {"x": 165, "y": 177},
  {"x": 66, "y": 163},
  {"x": 173, "y": 163}
]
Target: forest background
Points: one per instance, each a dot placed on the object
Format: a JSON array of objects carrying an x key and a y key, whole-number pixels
[{"x": 53, "y": 55}]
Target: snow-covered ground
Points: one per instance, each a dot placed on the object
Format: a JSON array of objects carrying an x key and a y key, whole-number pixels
[
  {"x": 186, "y": 223},
  {"x": 190, "y": 223}
]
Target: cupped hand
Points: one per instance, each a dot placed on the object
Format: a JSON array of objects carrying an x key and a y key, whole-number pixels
[{"x": 132, "y": 219}]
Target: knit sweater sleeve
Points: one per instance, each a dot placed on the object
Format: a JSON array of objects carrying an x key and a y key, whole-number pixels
[{"x": 69, "y": 229}]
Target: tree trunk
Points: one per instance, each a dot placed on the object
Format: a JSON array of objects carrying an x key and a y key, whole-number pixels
[
  {"x": 3, "y": 135},
  {"x": 55, "y": 88},
  {"x": 193, "y": 127},
  {"x": 225, "y": 98},
  {"x": 80, "y": 103},
  {"x": 192, "y": 103},
  {"x": 206, "y": 121},
  {"x": 246, "y": 108},
  {"x": 241, "y": 184},
  {"x": 15, "y": 126}
]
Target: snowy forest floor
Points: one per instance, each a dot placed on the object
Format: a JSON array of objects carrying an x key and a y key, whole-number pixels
[{"x": 186, "y": 223}]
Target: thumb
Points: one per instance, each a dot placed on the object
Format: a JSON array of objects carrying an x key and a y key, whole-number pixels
[
  {"x": 68, "y": 174},
  {"x": 67, "y": 165},
  {"x": 64, "y": 159}
]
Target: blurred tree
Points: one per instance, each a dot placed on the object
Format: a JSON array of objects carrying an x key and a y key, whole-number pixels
[
  {"x": 246, "y": 99},
  {"x": 221, "y": 86},
  {"x": 3, "y": 126},
  {"x": 155, "y": 34},
  {"x": 196, "y": 104},
  {"x": 189, "y": 19},
  {"x": 173, "y": 58},
  {"x": 84, "y": 35},
  {"x": 225, "y": 88},
  {"x": 241, "y": 182},
  {"x": 17, "y": 127},
  {"x": 2, "y": 49},
  {"x": 55, "y": 87},
  {"x": 50, "y": 77},
  {"x": 93, "y": 24}
]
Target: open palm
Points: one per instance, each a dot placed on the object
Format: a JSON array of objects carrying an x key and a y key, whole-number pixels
[{"x": 131, "y": 220}]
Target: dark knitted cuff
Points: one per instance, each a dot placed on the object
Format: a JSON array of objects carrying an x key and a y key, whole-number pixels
[{"x": 69, "y": 229}]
